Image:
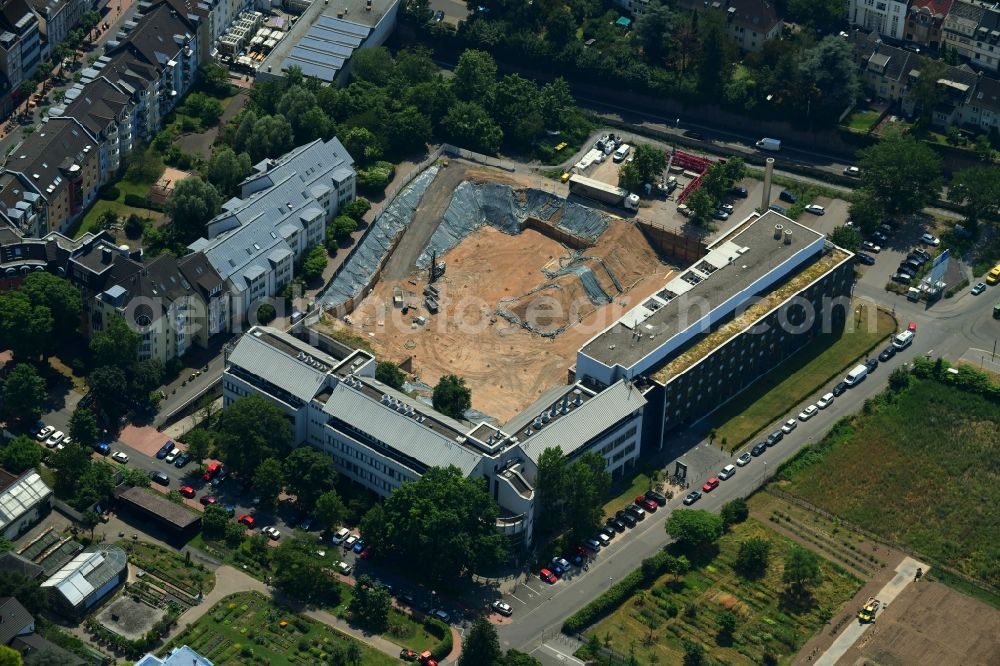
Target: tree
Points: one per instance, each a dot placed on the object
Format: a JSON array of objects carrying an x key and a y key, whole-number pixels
[
  {"x": 694, "y": 527},
  {"x": 555, "y": 102},
  {"x": 309, "y": 474},
  {"x": 389, "y": 373},
  {"x": 833, "y": 76},
  {"x": 734, "y": 511},
  {"x": 587, "y": 484},
  {"x": 68, "y": 463},
  {"x": 330, "y": 510},
  {"x": 83, "y": 428},
  {"x": 270, "y": 136},
  {"x": 10, "y": 656},
  {"x": 298, "y": 571},
  {"x": 867, "y": 210},
  {"x": 716, "y": 52},
  {"x": 356, "y": 209},
  {"x": 58, "y": 295},
  {"x": 25, "y": 328},
  {"x": 550, "y": 484},
  {"x": 694, "y": 653},
  {"x": 515, "y": 108},
  {"x": 343, "y": 226},
  {"x": 226, "y": 170},
  {"x": 475, "y": 77},
  {"x": 517, "y": 658},
  {"x": 469, "y": 125},
  {"x": 106, "y": 383},
  {"x": 24, "y": 393},
  {"x": 135, "y": 225},
  {"x": 362, "y": 144},
  {"x": 443, "y": 512},
  {"x": 199, "y": 444},
  {"x": 752, "y": 559},
  {"x": 701, "y": 204},
  {"x": 727, "y": 623},
  {"x": 649, "y": 163},
  {"x": 214, "y": 521},
  {"x": 268, "y": 480},
  {"x": 26, "y": 590},
  {"x": 451, "y": 396},
  {"x": 801, "y": 569},
  {"x": 190, "y": 206},
  {"x": 250, "y": 431},
  {"x": 481, "y": 646},
  {"x": 370, "y": 604},
  {"x": 821, "y": 15},
  {"x": 653, "y": 29},
  {"x": 20, "y": 455},
  {"x": 846, "y": 237},
  {"x": 902, "y": 172},
  {"x": 926, "y": 93},
  {"x": 899, "y": 380},
  {"x": 375, "y": 65},
  {"x": 95, "y": 485},
  {"x": 978, "y": 188},
  {"x": 409, "y": 130},
  {"x": 314, "y": 263},
  {"x": 117, "y": 345}
]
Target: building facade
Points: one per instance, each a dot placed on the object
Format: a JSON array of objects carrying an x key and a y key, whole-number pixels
[
  {"x": 886, "y": 17},
  {"x": 972, "y": 29},
  {"x": 24, "y": 500},
  {"x": 925, "y": 22},
  {"x": 56, "y": 18},
  {"x": 749, "y": 23}
]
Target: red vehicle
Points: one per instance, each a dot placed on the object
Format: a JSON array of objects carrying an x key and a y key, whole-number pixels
[
  {"x": 547, "y": 576},
  {"x": 710, "y": 485},
  {"x": 187, "y": 491},
  {"x": 212, "y": 470},
  {"x": 365, "y": 552},
  {"x": 646, "y": 503},
  {"x": 427, "y": 659},
  {"x": 208, "y": 500},
  {"x": 246, "y": 520},
  {"x": 912, "y": 327}
]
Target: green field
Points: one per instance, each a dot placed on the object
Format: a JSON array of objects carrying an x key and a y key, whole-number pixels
[
  {"x": 170, "y": 566},
  {"x": 655, "y": 622},
  {"x": 862, "y": 121},
  {"x": 921, "y": 470},
  {"x": 247, "y": 628},
  {"x": 795, "y": 380}
]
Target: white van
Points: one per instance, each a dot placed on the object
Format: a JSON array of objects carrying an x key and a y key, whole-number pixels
[
  {"x": 902, "y": 340},
  {"x": 622, "y": 152},
  {"x": 855, "y": 376}
]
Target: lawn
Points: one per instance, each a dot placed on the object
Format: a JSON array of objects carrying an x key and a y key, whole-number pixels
[
  {"x": 655, "y": 622},
  {"x": 170, "y": 566},
  {"x": 862, "y": 121},
  {"x": 640, "y": 484},
  {"x": 822, "y": 360},
  {"x": 920, "y": 470},
  {"x": 91, "y": 219},
  {"x": 248, "y": 628}
]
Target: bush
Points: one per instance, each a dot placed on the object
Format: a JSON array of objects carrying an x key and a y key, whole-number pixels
[
  {"x": 109, "y": 193},
  {"x": 619, "y": 593},
  {"x": 443, "y": 632},
  {"x": 136, "y": 201}
]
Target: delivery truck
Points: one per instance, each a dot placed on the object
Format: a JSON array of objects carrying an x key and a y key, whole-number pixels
[
  {"x": 773, "y": 145},
  {"x": 601, "y": 191}
]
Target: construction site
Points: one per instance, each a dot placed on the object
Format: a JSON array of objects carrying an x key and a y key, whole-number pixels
[{"x": 486, "y": 277}]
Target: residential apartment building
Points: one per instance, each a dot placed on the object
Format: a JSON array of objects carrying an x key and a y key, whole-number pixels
[
  {"x": 56, "y": 18},
  {"x": 21, "y": 206},
  {"x": 20, "y": 49},
  {"x": 61, "y": 164},
  {"x": 381, "y": 438},
  {"x": 107, "y": 112},
  {"x": 972, "y": 29},
  {"x": 886, "y": 17},
  {"x": 925, "y": 22},
  {"x": 762, "y": 292},
  {"x": 749, "y": 23},
  {"x": 282, "y": 212}
]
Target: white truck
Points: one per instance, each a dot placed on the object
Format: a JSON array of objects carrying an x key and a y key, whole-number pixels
[
  {"x": 601, "y": 191},
  {"x": 774, "y": 145}
]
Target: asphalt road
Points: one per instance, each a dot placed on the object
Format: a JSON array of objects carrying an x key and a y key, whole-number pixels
[{"x": 949, "y": 328}]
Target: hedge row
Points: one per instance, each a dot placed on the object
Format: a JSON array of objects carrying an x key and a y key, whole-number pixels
[
  {"x": 442, "y": 631},
  {"x": 651, "y": 569},
  {"x": 136, "y": 201}
]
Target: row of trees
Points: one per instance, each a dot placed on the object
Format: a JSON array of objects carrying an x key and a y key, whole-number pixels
[{"x": 570, "y": 495}]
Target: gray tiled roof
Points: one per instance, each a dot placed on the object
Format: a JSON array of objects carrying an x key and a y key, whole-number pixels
[
  {"x": 410, "y": 438},
  {"x": 14, "y": 618},
  {"x": 273, "y": 365},
  {"x": 587, "y": 421}
]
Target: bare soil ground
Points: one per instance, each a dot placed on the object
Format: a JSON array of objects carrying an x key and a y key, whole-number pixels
[{"x": 506, "y": 366}]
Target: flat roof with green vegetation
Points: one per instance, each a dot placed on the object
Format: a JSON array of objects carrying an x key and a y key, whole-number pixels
[
  {"x": 821, "y": 361},
  {"x": 248, "y": 628},
  {"x": 658, "y": 620},
  {"x": 919, "y": 468}
]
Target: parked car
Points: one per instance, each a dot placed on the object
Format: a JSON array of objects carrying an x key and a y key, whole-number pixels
[
  {"x": 172, "y": 456},
  {"x": 808, "y": 413},
  {"x": 656, "y": 497},
  {"x": 728, "y": 209},
  {"x": 44, "y": 433},
  {"x": 912, "y": 327},
  {"x": 871, "y": 364},
  {"x": 775, "y": 437},
  {"x": 272, "y": 533},
  {"x": 182, "y": 459},
  {"x": 839, "y": 389},
  {"x": 592, "y": 545},
  {"x": 637, "y": 512},
  {"x": 160, "y": 478},
  {"x": 646, "y": 503},
  {"x": 503, "y": 608},
  {"x": 208, "y": 500},
  {"x": 871, "y": 247},
  {"x": 441, "y": 615},
  {"x": 778, "y": 209},
  {"x": 340, "y": 535},
  {"x": 616, "y": 524},
  {"x": 438, "y": 16},
  {"x": 918, "y": 259},
  {"x": 880, "y": 238},
  {"x": 738, "y": 191},
  {"x": 359, "y": 545},
  {"x": 103, "y": 448},
  {"x": 710, "y": 485},
  {"x": 187, "y": 491},
  {"x": 902, "y": 278},
  {"x": 866, "y": 259},
  {"x": 627, "y": 518},
  {"x": 120, "y": 456},
  {"x": 404, "y": 654},
  {"x": 921, "y": 252},
  {"x": 758, "y": 449},
  {"x": 930, "y": 239},
  {"x": 344, "y": 569},
  {"x": 54, "y": 438},
  {"x": 727, "y": 471},
  {"x": 211, "y": 471},
  {"x": 350, "y": 541},
  {"x": 561, "y": 563},
  {"x": 719, "y": 214},
  {"x": 744, "y": 460},
  {"x": 979, "y": 288},
  {"x": 815, "y": 209},
  {"x": 602, "y": 538},
  {"x": 887, "y": 353},
  {"x": 165, "y": 450},
  {"x": 788, "y": 196},
  {"x": 608, "y": 532},
  {"x": 692, "y": 497},
  {"x": 825, "y": 401},
  {"x": 247, "y": 520},
  {"x": 852, "y": 171}
]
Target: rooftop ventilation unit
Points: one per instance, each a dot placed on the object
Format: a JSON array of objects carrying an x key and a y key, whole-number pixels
[
  {"x": 537, "y": 425},
  {"x": 545, "y": 417},
  {"x": 578, "y": 397},
  {"x": 788, "y": 236},
  {"x": 777, "y": 231}
]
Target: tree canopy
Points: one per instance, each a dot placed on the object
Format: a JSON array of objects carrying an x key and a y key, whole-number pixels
[
  {"x": 978, "y": 189},
  {"x": 268, "y": 480},
  {"x": 694, "y": 527},
  {"x": 250, "y": 431},
  {"x": 846, "y": 237},
  {"x": 481, "y": 646},
  {"x": 801, "y": 569},
  {"x": 58, "y": 295},
  {"x": 83, "y": 427},
  {"x": 308, "y": 474},
  {"x": 452, "y": 397},
  {"x": 370, "y": 604},
  {"x": 443, "y": 513},
  {"x": 24, "y": 394},
  {"x": 901, "y": 172},
  {"x": 190, "y": 206},
  {"x": 389, "y": 373},
  {"x": 226, "y": 170},
  {"x": 21, "y": 454}
]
